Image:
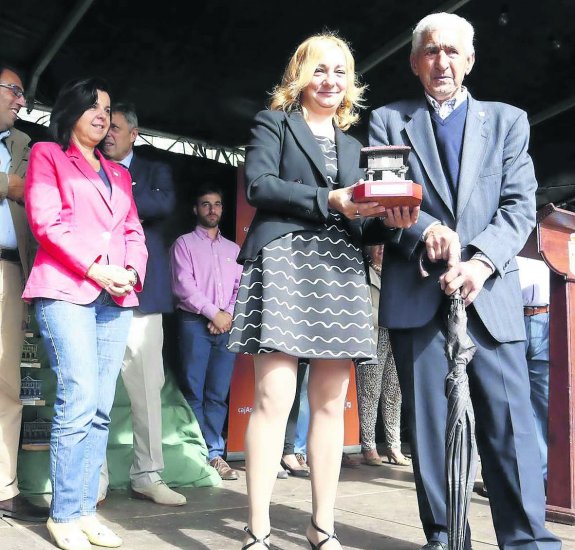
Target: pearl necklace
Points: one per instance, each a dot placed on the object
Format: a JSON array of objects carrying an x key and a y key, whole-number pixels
[{"x": 376, "y": 267}]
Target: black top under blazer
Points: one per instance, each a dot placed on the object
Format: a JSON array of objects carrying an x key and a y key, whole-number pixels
[{"x": 286, "y": 179}]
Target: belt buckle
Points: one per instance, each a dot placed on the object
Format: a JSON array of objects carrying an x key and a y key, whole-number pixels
[{"x": 535, "y": 310}]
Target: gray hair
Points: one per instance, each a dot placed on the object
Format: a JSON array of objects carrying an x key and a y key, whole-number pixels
[
  {"x": 129, "y": 112},
  {"x": 438, "y": 21}
]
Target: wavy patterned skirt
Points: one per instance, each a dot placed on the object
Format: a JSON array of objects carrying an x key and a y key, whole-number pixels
[{"x": 305, "y": 295}]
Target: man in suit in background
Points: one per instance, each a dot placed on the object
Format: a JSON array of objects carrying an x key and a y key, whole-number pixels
[
  {"x": 478, "y": 209},
  {"x": 143, "y": 367},
  {"x": 14, "y": 267}
]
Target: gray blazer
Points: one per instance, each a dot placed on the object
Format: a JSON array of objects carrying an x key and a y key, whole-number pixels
[
  {"x": 286, "y": 179},
  {"x": 494, "y": 214}
]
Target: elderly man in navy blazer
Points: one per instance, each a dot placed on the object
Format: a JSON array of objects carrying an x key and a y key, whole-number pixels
[
  {"x": 478, "y": 209},
  {"x": 143, "y": 368}
]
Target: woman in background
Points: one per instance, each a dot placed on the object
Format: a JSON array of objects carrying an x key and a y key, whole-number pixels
[
  {"x": 378, "y": 383},
  {"x": 91, "y": 259}
]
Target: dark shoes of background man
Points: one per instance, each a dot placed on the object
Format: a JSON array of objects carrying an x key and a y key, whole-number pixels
[
  {"x": 21, "y": 509},
  {"x": 223, "y": 468}
]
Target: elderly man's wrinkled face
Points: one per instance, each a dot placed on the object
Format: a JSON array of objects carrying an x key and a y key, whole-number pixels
[
  {"x": 10, "y": 88},
  {"x": 441, "y": 62}
]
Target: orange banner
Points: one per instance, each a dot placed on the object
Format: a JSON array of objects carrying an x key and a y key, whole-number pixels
[
  {"x": 351, "y": 416},
  {"x": 241, "y": 402}
]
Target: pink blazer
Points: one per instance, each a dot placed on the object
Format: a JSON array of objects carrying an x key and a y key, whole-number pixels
[{"x": 77, "y": 223}]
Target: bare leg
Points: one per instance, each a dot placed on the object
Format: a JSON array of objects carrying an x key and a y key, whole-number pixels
[
  {"x": 275, "y": 381},
  {"x": 328, "y": 382}
]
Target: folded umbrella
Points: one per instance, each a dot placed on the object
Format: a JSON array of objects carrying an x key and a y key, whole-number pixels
[{"x": 461, "y": 458}]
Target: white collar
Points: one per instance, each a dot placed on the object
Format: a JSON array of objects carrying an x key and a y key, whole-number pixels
[{"x": 449, "y": 105}]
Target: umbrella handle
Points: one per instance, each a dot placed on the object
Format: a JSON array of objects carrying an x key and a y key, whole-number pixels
[
  {"x": 424, "y": 273},
  {"x": 421, "y": 263},
  {"x": 422, "y": 260}
]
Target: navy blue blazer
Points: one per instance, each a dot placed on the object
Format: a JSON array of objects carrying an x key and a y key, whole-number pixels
[
  {"x": 286, "y": 179},
  {"x": 155, "y": 197},
  {"x": 494, "y": 211}
]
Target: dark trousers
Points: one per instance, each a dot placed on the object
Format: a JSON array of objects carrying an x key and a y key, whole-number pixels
[
  {"x": 505, "y": 431},
  {"x": 207, "y": 368}
]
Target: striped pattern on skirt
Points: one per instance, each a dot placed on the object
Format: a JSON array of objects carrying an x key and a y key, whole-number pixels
[{"x": 305, "y": 295}]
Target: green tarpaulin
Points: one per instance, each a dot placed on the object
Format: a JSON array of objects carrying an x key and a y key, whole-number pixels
[{"x": 185, "y": 451}]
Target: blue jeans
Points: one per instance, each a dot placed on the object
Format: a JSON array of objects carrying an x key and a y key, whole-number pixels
[
  {"x": 85, "y": 345},
  {"x": 302, "y": 419},
  {"x": 291, "y": 427},
  {"x": 537, "y": 349},
  {"x": 207, "y": 373}
]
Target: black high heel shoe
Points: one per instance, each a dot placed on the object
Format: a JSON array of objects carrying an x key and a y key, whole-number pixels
[
  {"x": 330, "y": 536},
  {"x": 296, "y": 472},
  {"x": 256, "y": 540}
]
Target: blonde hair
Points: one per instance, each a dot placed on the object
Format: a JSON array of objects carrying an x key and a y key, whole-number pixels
[{"x": 300, "y": 70}]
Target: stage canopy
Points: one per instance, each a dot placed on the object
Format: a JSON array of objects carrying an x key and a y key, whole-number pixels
[{"x": 201, "y": 70}]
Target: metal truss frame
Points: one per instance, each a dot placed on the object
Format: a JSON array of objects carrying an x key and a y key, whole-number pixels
[{"x": 232, "y": 156}]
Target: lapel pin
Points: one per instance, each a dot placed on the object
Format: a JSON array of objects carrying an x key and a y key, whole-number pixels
[
  {"x": 115, "y": 173},
  {"x": 133, "y": 183}
]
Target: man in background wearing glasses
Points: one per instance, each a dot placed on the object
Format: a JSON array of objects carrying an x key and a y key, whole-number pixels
[{"x": 14, "y": 268}]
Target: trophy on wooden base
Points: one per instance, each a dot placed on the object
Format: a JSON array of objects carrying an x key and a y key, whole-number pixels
[{"x": 387, "y": 163}]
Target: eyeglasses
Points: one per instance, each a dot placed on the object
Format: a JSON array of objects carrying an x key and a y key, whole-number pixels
[{"x": 16, "y": 90}]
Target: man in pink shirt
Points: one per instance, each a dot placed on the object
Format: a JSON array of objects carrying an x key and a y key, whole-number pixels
[{"x": 205, "y": 281}]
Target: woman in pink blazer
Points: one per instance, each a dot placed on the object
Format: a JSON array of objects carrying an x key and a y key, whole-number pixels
[{"x": 90, "y": 260}]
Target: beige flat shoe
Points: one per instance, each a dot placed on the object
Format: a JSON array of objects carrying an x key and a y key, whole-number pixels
[
  {"x": 97, "y": 533},
  {"x": 68, "y": 536},
  {"x": 159, "y": 493}
]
